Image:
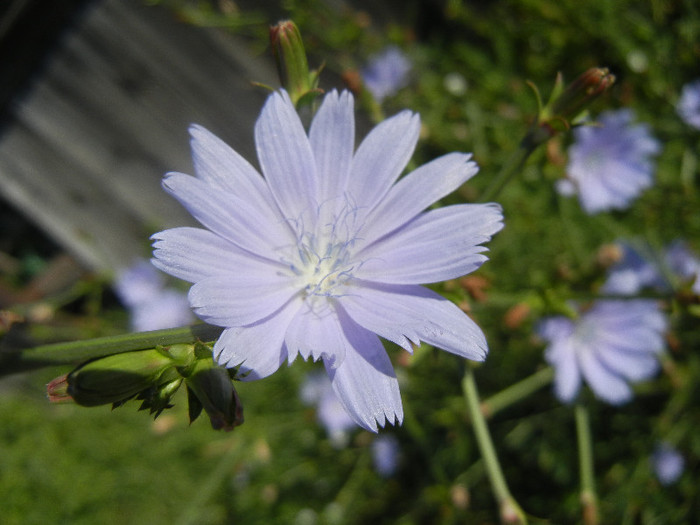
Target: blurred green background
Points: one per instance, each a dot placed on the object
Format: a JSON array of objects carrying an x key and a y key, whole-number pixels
[{"x": 64, "y": 464}]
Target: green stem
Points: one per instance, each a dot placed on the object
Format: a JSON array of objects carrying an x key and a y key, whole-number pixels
[
  {"x": 510, "y": 511},
  {"x": 79, "y": 351},
  {"x": 517, "y": 391},
  {"x": 534, "y": 138},
  {"x": 585, "y": 454}
]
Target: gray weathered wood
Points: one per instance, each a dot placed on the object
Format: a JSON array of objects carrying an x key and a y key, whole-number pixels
[{"x": 86, "y": 148}]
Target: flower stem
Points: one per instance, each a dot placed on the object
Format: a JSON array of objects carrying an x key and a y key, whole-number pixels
[
  {"x": 517, "y": 391},
  {"x": 535, "y": 137},
  {"x": 585, "y": 454},
  {"x": 510, "y": 511},
  {"x": 73, "y": 352}
]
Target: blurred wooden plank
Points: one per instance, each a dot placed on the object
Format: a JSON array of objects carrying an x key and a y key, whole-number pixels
[
  {"x": 28, "y": 29},
  {"x": 84, "y": 151}
]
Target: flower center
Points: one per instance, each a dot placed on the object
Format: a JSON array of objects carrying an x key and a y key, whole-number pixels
[{"x": 323, "y": 260}]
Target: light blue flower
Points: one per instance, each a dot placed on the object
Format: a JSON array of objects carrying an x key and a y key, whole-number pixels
[
  {"x": 327, "y": 251},
  {"x": 684, "y": 263},
  {"x": 317, "y": 390},
  {"x": 609, "y": 345},
  {"x": 634, "y": 272},
  {"x": 639, "y": 269},
  {"x": 386, "y": 73},
  {"x": 610, "y": 163},
  {"x": 151, "y": 305},
  {"x": 385, "y": 455},
  {"x": 668, "y": 463},
  {"x": 688, "y": 106}
]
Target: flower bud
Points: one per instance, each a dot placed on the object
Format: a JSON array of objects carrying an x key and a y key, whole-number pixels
[
  {"x": 210, "y": 388},
  {"x": 567, "y": 103},
  {"x": 292, "y": 65},
  {"x": 57, "y": 390},
  {"x": 119, "y": 377}
]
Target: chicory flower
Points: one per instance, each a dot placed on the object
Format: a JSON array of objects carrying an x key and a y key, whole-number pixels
[
  {"x": 327, "y": 252},
  {"x": 688, "y": 106},
  {"x": 610, "y": 345},
  {"x": 386, "y": 73},
  {"x": 610, "y": 163},
  {"x": 317, "y": 390},
  {"x": 668, "y": 463},
  {"x": 151, "y": 305}
]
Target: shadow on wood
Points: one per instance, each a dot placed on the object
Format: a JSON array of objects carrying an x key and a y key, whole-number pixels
[{"x": 82, "y": 153}]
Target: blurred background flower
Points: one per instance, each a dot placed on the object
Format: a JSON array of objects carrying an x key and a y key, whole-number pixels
[
  {"x": 152, "y": 306},
  {"x": 385, "y": 454},
  {"x": 668, "y": 463},
  {"x": 688, "y": 106},
  {"x": 639, "y": 269},
  {"x": 386, "y": 73},
  {"x": 633, "y": 272},
  {"x": 610, "y": 162},
  {"x": 318, "y": 391},
  {"x": 611, "y": 344}
]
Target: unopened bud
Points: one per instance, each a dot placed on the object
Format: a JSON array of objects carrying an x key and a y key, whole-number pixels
[
  {"x": 57, "y": 390},
  {"x": 569, "y": 102},
  {"x": 210, "y": 388},
  {"x": 119, "y": 377},
  {"x": 292, "y": 65}
]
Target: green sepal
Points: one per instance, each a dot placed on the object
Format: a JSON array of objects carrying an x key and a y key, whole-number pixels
[
  {"x": 213, "y": 387},
  {"x": 194, "y": 406},
  {"x": 292, "y": 64},
  {"x": 119, "y": 377}
]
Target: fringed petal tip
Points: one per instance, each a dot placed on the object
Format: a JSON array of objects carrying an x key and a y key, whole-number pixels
[{"x": 374, "y": 422}]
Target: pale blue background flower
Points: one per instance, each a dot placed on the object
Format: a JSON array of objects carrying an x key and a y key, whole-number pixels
[
  {"x": 640, "y": 269},
  {"x": 385, "y": 454},
  {"x": 386, "y": 73},
  {"x": 327, "y": 251},
  {"x": 688, "y": 106},
  {"x": 684, "y": 263},
  {"x": 610, "y": 163},
  {"x": 609, "y": 345},
  {"x": 668, "y": 463},
  {"x": 634, "y": 272},
  {"x": 151, "y": 305},
  {"x": 318, "y": 391}
]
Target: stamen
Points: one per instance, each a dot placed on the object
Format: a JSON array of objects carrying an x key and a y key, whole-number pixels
[{"x": 323, "y": 261}]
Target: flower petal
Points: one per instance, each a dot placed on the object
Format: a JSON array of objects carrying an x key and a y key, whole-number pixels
[
  {"x": 438, "y": 245},
  {"x": 365, "y": 382},
  {"x": 605, "y": 383},
  {"x": 259, "y": 348},
  {"x": 332, "y": 137},
  {"x": 285, "y": 156},
  {"x": 239, "y": 298},
  {"x": 316, "y": 332},
  {"x": 418, "y": 190},
  {"x": 414, "y": 313},
  {"x": 567, "y": 375},
  {"x": 193, "y": 254},
  {"x": 220, "y": 166},
  {"x": 257, "y": 230},
  {"x": 381, "y": 157},
  {"x": 631, "y": 365}
]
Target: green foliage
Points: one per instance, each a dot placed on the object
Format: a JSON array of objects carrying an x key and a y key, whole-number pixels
[{"x": 65, "y": 464}]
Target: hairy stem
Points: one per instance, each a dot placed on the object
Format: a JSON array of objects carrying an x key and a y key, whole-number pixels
[
  {"x": 73, "y": 352},
  {"x": 585, "y": 454},
  {"x": 510, "y": 511},
  {"x": 517, "y": 391}
]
